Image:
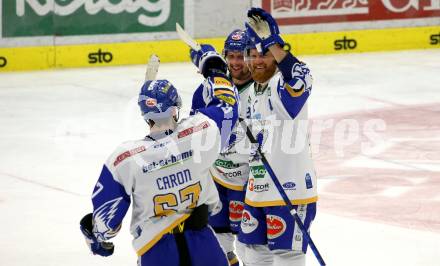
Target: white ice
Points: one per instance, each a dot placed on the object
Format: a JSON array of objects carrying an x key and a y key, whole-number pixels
[{"x": 57, "y": 127}]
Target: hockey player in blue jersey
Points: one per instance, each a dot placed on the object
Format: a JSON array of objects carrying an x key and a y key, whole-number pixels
[
  {"x": 277, "y": 115},
  {"x": 230, "y": 171},
  {"x": 165, "y": 176}
]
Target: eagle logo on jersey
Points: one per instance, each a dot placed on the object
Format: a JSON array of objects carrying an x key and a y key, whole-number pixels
[{"x": 102, "y": 218}]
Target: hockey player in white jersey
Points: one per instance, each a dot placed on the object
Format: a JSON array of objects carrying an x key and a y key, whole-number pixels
[
  {"x": 231, "y": 170},
  {"x": 165, "y": 176},
  {"x": 277, "y": 113}
]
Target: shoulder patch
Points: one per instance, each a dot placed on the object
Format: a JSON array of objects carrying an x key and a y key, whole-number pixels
[
  {"x": 227, "y": 99},
  {"x": 224, "y": 90},
  {"x": 190, "y": 130},
  {"x": 219, "y": 81},
  {"x": 127, "y": 154}
]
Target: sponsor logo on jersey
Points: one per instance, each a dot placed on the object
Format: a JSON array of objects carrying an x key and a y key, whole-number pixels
[
  {"x": 127, "y": 154},
  {"x": 160, "y": 145},
  {"x": 218, "y": 81},
  {"x": 289, "y": 186},
  {"x": 223, "y": 91},
  {"x": 258, "y": 171},
  {"x": 173, "y": 180},
  {"x": 257, "y": 187},
  {"x": 226, "y": 164},
  {"x": 191, "y": 130},
  {"x": 232, "y": 174},
  {"x": 276, "y": 226},
  {"x": 261, "y": 187},
  {"x": 308, "y": 180},
  {"x": 227, "y": 99},
  {"x": 167, "y": 162},
  {"x": 248, "y": 223},
  {"x": 235, "y": 210}
]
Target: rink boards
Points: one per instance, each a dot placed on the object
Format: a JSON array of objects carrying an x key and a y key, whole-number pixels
[{"x": 89, "y": 55}]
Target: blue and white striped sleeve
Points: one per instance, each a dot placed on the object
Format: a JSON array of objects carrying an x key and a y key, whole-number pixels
[
  {"x": 296, "y": 85},
  {"x": 221, "y": 98},
  {"x": 110, "y": 204}
]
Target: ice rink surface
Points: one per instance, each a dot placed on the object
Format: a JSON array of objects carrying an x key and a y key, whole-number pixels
[{"x": 377, "y": 158}]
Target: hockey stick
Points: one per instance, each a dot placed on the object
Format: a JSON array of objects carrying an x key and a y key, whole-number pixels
[
  {"x": 152, "y": 68},
  {"x": 284, "y": 195},
  {"x": 184, "y": 36}
]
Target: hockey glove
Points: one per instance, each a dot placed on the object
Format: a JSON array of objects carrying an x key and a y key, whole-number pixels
[
  {"x": 98, "y": 248},
  {"x": 212, "y": 64},
  {"x": 195, "y": 55},
  {"x": 263, "y": 30},
  {"x": 208, "y": 61}
]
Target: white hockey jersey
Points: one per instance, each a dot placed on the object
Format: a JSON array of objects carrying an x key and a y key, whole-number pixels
[
  {"x": 164, "y": 176},
  {"x": 278, "y": 118}
]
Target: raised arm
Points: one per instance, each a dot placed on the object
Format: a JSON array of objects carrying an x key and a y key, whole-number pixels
[
  {"x": 217, "y": 97},
  {"x": 296, "y": 85}
]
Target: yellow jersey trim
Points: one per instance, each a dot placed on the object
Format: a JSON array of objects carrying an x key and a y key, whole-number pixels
[
  {"x": 226, "y": 185},
  {"x": 153, "y": 241},
  {"x": 292, "y": 92},
  {"x": 223, "y": 91},
  {"x": 279, "y": 202}
]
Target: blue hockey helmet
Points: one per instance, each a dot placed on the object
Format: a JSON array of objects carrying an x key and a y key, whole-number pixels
[
  {"x": 236, "y": 41},
  {"x": 250, "y": 44},
  {"x": 157, "y": 99}
]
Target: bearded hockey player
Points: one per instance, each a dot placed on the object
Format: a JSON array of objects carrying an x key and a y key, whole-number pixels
[{"x": 277, "y": 114}]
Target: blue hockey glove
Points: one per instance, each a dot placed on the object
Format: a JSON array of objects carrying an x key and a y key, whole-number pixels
[
  {"x": 212, "y": 64},
  {"x": 208, "y": 61},
  {"x": 195, "y": 55},
  {"x": 98, "y": 248},
  {"x": 263, "y": 30}
]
